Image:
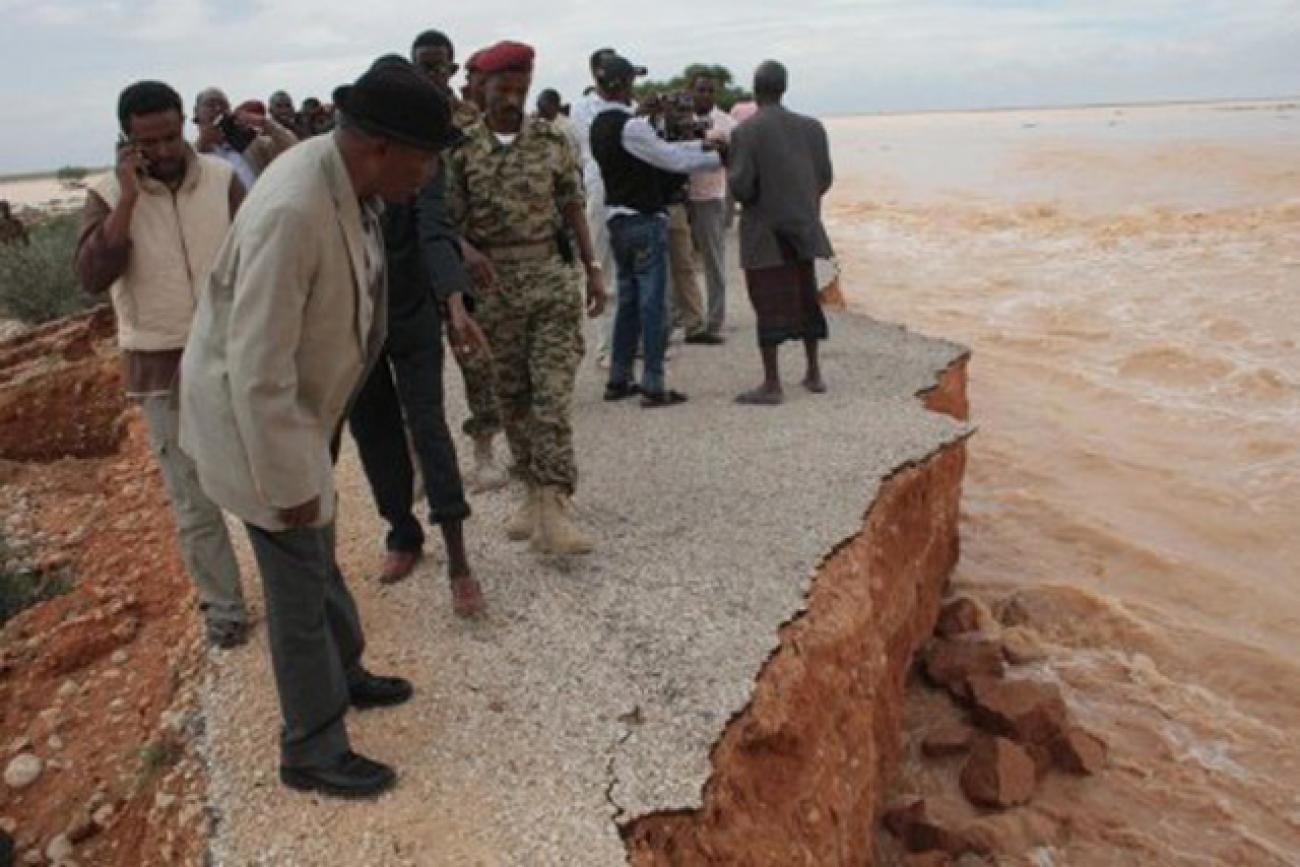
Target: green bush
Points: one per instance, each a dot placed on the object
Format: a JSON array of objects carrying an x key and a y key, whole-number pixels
[
  {"x": 72, "y": 175},
  {"x": 37, "y": 280},
  {"x": 22, "y": 586}
]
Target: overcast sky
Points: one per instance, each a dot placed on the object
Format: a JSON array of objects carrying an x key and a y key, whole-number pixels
[{"x": 66, "y": 60}]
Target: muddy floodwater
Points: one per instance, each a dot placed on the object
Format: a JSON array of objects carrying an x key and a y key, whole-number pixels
[{"x": 1129, "y": 282}]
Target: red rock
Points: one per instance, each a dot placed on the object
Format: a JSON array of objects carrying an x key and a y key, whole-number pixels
[
  {"x": 1044, "y": 761},
  {"x": 1024, "y": 710},
  {"x": 918, "y": 832},
  {"x": 959, "y": 616},
  {"x": 947, "y": 739},
  {"x": 927, "y": 859},
  {"x": 1022, "y": 645},
  {"x": 999, "y": 773},
  {"x": 1012, "y": 611},
  {"x": 951, "y": 663},
  {"x": 1079, "y": 752}
]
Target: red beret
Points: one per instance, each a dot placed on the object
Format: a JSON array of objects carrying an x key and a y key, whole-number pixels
[
  {"x": 472, "y": 65},
  {"x": 505, "y": 57},
  {"x": 253, "y": 106}
]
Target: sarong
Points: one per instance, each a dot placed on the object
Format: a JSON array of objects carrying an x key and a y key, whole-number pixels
[{"x": 785, "y": 300}]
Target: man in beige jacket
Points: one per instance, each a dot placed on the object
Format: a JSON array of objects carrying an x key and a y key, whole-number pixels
[{"x": 293, "y": 316}]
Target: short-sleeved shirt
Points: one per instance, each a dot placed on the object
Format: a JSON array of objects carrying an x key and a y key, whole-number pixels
[{"x": 503, "y": 194}]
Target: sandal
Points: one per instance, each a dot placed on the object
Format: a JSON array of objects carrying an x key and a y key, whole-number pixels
[
  {"x": 760, "y": 397},
  {"x": 467, "y": 597}
]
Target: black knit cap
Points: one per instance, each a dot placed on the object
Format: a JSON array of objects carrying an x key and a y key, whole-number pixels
[{"x": 393, "y": 100}]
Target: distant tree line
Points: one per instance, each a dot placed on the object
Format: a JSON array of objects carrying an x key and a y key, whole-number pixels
[{"x": 729, "y": 93}]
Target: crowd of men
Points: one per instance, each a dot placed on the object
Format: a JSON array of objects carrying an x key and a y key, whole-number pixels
[{"x": 289, "y": 273}]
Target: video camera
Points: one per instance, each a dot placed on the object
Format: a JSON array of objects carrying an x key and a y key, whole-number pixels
[
  {"x": 237, "y": 135},
  {"x": 673, "y": 115}
]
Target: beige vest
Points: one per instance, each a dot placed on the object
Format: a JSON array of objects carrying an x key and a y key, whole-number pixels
[{"x": 174, "y": 240}]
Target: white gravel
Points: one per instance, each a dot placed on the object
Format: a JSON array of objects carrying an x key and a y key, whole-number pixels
[{"x": 710, "y": 519}]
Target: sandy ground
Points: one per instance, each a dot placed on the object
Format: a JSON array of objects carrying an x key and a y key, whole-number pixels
[
  {"x": 597, "y": 686},
  {"x": 45, "y": 193}
]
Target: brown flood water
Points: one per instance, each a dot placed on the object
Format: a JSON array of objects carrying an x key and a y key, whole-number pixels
[{"x": 1129, "y": 282}]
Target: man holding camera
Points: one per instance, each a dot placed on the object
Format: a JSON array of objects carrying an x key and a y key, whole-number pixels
[
  {"x": 511, "y": 188},
  {"x": 247, "y": 138},
  {"x": 149, "y": 234},
  {"x": 641, "y": 174}
]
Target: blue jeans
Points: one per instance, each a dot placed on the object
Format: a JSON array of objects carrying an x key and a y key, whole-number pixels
[{"x": 640, "y": 245}]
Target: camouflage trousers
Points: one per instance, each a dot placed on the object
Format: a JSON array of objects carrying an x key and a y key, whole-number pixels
[
  {"x": 534, "y": 324},
  {"x": 484, "y": 414}
]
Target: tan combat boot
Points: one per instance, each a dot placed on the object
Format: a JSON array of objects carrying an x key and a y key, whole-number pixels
[
  {"x": 524, "y": 523},
  {"x": 556, "y": 532},
  {"x": 487, "y": 474}
]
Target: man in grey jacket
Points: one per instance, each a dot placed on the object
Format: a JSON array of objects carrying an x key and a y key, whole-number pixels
[
  {"x": 779, "y": 169},
  {"x": 292, "y": 318}
]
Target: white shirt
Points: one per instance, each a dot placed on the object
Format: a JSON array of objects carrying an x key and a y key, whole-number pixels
[
  {"x": 375, "y": 260},
  {"x": 711, "y": 186},
  {"x": 581, "y": 115},
  {"x": 641, "y": 141},
  {"x": 247, "y": 176}
]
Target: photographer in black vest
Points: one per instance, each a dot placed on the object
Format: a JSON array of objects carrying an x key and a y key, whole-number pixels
[{"x": 641, "y": 173}]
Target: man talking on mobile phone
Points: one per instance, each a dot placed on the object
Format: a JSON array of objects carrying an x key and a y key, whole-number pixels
[{"x": 149, "y": 233}]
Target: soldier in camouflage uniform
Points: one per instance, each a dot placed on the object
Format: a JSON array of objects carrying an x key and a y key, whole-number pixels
[
  {"x": 509, "y": 186},
  {"x": 435, "y": 56}
]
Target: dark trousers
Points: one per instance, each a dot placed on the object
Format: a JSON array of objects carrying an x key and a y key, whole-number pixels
[
  {"x": 404, "y": 392},
  {"x": 640, "y": 245},
  {"x": 315, "y": 637}
]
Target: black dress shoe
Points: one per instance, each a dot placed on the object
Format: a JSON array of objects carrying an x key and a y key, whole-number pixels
[
  {"x": 621, "y": 390},
  {"x": 654, "y": 399},
  {"x": 376, "y": 691},
  {"x": 707, "y": 338},
  {"x": 351, "y": 776}
]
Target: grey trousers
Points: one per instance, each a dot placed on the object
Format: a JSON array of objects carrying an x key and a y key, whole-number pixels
[
  {"x": 315, "y": 637},
  {"x": 200, "y": 527},
  {"x": 599, "y": 231},
  {"x": 709, "y": 230}
]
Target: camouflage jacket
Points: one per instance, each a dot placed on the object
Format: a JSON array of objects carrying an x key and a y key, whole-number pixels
[{"x": 511, "y": 194}]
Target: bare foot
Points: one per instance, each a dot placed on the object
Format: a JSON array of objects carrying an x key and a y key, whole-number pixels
[
  {"x": 761, "y": 396},
  {"x": 467, "y": 597}
]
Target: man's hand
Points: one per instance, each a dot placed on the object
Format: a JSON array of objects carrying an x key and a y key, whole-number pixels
[
  {"x": 595, "y": 291},
  {"x": 720, "y": 146},
  {"x": 301, "y": 516},
  {"x": 467, "y": 338},
  {"x": 130, "y": 165},
  {"x": 251, "y": 120},
  {"x": 480, "y": 267}
]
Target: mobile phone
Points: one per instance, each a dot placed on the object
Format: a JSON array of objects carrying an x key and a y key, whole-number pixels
[{"x": 142, "y": 161}]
